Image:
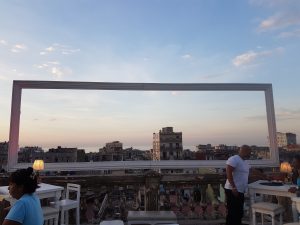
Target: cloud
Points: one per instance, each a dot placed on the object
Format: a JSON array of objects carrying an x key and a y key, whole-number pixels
[
  {"x": 57, "y": 72},
  {"x": 256, "y": 117},
  {"x": 3, "y": 77},
  {"x": 54, "y": 62},
  {"x": 18, "y": 48},
  {"x": 289, "y": 34},
  {"x": 55, "y": 69},
  {"x": 62, "y": 49},
  {"x": 280, "y": 21},
  {"x": 251, "y": 56},
  {"x": 288, "y": 114},
  {"x": 69, "y": 51},
  {"x": 272, "y": 3},
  {"x": 282, "y": 115},
  {"x": 46, "y": 64},
  {"x": 245, "y": 58},
  {"x": 3, "y": 42},
  {"x": 50, "y": 49},
  {"x": 186, "y": 56},
  {"x": 284, "y": 16},
  {"x": 215, "y": 75}
]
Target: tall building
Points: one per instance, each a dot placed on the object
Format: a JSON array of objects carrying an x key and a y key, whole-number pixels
[
  {"x": 30, "y": 153},
  {"x": 291, "y": 139},
  {"x": 113, "y": 151},
  {"x": 62, "y": 154},
  {"x": 3, "y": 154},
  {"x": 167, "y": 145},
  {"x": 285, "y": 139},
  {"x": 114, "y": 146}
]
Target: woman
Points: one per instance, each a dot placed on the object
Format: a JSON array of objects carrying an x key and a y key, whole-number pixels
[{"x": 27, "y": 209}]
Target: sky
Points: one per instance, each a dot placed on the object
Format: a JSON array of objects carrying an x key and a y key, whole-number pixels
[{"x": 254, "y": 41}]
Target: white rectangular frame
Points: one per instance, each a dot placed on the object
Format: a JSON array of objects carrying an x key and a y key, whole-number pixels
[{"x": 19, "y": 85}]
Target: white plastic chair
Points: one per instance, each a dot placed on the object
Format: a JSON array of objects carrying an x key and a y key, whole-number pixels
[
  {"x": 266, "y": 208},
  {"x": 50, "y": 215},
  {"x": 66, "y": 204}
]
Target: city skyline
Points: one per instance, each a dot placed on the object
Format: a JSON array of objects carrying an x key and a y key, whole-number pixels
[{"x": 255, "y": 41}]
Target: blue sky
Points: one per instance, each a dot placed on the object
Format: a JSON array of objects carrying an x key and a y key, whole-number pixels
[{"x": 149, "y": 41}]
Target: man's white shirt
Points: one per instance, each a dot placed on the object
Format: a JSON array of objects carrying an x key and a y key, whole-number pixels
[{"x": 240, "y": 173}]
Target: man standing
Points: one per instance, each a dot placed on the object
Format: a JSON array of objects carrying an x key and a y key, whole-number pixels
[{"x": 237, "y": 172}]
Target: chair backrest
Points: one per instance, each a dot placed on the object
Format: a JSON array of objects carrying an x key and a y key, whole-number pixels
[
  {"x": 73, "y": 188},
  {"x": 50, "y": 215},
  {"x": 103, "y": 206}
]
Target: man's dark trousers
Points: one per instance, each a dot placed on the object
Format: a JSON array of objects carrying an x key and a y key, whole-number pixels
[{"x": 235, "y": 208}]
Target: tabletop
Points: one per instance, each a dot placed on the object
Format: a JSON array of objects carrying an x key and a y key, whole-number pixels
[
  {"x": 257, "y": 188},
  {"x": 271, "y": 190},
  {"x": 44, "y": 190}
]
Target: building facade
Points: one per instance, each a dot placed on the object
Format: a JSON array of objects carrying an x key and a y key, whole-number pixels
[
  {"x": 167, "y": 145},
  {"x": 3, "y": 155},
  {"x": 112, "y": 151},
  {"x": 30, "y": 153},
  {"x": 62, "y": 154},
  {"x": 285, "y": 139}
]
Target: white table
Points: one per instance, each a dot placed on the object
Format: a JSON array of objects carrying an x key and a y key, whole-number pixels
[
  {"x": 44, "y": 191},
  {"x": 257, "y": 188},
  {"x": 151, "y": 217}
]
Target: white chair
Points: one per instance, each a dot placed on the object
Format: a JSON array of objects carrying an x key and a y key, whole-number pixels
[
  {"x": 50, "y": 215},
  {"x": 267, "y": 208},
  {"x": 66, "y": 204}
]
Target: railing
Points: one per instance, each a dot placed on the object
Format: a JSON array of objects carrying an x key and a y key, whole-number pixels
[{"x": 194, "y": 198}]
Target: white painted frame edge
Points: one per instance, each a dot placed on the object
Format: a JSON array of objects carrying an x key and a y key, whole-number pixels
[{"x": 18, "y": 85}]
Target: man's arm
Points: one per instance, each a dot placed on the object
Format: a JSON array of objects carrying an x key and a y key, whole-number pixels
[{"x": 229, "y": 171}]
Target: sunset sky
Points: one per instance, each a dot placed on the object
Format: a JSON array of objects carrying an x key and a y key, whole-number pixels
[{"x": 254, "y": 41}]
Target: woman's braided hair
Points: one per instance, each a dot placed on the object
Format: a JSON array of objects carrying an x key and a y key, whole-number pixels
[{"x": 25, "y": 177}]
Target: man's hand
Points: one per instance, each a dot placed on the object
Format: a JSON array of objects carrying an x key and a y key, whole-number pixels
[
  {"x": 235, "y": 192},
  {"x": 293, "y": 189}
]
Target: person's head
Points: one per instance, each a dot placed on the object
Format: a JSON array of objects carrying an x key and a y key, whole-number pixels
[
  {"x": 296, "y": 162},
  {"x": 245, "y": 151},
  {"x": 21, "y": 182}
]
